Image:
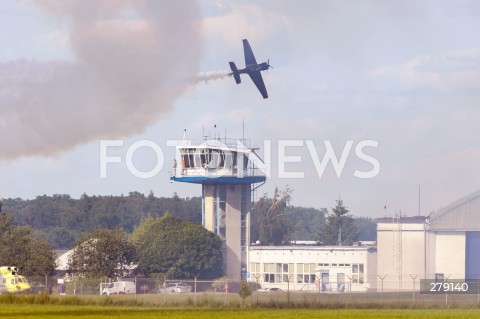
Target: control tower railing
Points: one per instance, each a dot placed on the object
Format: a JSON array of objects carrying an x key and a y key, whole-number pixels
[
  {"x": 217, "y": 158},
  {"x": 213, "y": 173}
]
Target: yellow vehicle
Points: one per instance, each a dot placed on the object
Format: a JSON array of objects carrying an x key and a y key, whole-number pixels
[{"x": 11, "y": 282}]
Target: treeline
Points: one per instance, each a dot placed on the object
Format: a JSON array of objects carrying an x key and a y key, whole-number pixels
[
  {"x": 62, "y": 220},
  {"x": 307, "y": 224},
  {"x": 275, "y": 221}
]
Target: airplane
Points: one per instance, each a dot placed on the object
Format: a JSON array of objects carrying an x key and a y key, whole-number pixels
[{"x": 252, "y": 68}]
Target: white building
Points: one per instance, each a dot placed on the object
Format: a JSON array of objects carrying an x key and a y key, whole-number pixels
[
  {"x": 445, "y": 244},
  {"x": 401, "y": 252},
  {"x": 314, "y": 268}
]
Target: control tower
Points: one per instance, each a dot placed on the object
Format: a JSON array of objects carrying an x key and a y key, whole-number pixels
[{"x": 227, "y": 169}]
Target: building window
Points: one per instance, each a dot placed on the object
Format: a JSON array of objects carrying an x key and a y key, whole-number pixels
[
  {"x": 269, "y": 278},
  {"x": 357, "y": 274},
  {"x": 306, "y": 273},
  {"x": 268, "y": 272},
  {"x": 277, "y": 273},
  {"x": 284, "y": 273},
  {"x": 254, "y": 271}
]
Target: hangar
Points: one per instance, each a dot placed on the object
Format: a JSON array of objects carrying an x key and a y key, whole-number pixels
[{"x": 445, "y": 244}]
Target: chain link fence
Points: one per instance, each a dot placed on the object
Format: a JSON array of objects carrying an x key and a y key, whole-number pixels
[{"x": 383, "y": 290}]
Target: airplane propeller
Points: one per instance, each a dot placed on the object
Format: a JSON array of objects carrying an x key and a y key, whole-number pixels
[{"x": 268, "y": 63}]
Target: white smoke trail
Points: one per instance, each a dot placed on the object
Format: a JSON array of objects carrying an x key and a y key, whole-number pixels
[
  {"x": 133, "y": 59},
  {"x": 212, "y": 75}
]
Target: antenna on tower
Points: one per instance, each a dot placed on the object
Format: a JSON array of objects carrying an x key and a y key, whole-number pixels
[
  {"x": 243, "y": 130},
  {"x": 185, "y": 136},
  {"x": 419, "y": 200}
]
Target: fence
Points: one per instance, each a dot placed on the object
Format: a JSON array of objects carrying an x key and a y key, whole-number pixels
[
  {"x": 77, "y": 285},
  {"x": 383, "y": 290}
]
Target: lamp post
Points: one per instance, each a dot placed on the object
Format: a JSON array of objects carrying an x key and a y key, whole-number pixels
[
  {"x": 413, "y": 294},
  {"x": 381, "y": 292}
]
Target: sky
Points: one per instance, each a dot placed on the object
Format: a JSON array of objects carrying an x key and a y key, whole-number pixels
[{"x": 404, "y": 74}]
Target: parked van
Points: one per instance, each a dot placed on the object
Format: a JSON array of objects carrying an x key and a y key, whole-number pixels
[{"x": 119, "y": 287}]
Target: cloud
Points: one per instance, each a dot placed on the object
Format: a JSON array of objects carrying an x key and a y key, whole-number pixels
[
  {"x": 454, "y": 72},
  {"x": 245, "y": 21},
  {"x": 132, "y": 60}
]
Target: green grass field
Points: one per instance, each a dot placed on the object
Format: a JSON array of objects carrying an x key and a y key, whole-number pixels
[
  {"x": 61, "y": 311},
  {"x": 221, "y": 306}
]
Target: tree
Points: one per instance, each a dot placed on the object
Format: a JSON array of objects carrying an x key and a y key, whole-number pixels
[
  {"x": 305, "y": 222},
  {"x": 14, "y": 243},
  {"x": 103, "y": 252},
  {"x": 178, "y": 248},
  {"x": 244, "y": 291},
  {"x": 140, "y": 231},
  {"x": 366, "y": 229},
  {"x": 270, "y": 220},
  {"x": 63, "y": 220},
  {"x": 42, "y": 259},
  {"x": 339, "y": 228},
  {"x": 34, "y": 256}
]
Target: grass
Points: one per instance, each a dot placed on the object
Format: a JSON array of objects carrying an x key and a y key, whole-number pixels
[
  {"x": 260, "y": 301},
  {"x": 221, "y": 306},
  {"x": 72, "y": 311}
]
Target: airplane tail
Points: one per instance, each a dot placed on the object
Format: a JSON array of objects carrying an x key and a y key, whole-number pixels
[{"x": 235, "y": 73}]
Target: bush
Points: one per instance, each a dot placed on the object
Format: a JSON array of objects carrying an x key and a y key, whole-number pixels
[{"x": 244, "y": 291}]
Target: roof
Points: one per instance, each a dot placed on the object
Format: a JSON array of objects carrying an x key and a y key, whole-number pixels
[
  {"x": 461, "y": 215},
  {"x": 62, "y": 260},
  {"x": 230, "y": 144},
  {"x": 314, "y": 248},
  {"x": 403, "y": 220}
]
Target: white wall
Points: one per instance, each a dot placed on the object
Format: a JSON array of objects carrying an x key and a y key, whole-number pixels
[
  {"x": 450, "y": 254},
  {"x": 431, "y": 254},
  {"x": 407, "y": 252},
  {"x": 340, "y": 260},
  {"x": 445, "y": 253}
]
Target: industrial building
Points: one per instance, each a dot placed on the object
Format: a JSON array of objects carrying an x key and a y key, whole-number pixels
[
  {"x": 401, "y": 251},
  {"x": 446, "y": 245},
  {"x": 314, "y": 268},
  {"x": 442, "y": 246}
]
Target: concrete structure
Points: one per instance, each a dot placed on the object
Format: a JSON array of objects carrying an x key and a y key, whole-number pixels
[
  {"x": 445, "y": 244},
  {"x": 401, "y": 252},
  {"x": 314, "y": 268},
  {"x": 456, "y": 248},
  {"x": 227, "y": 171}
]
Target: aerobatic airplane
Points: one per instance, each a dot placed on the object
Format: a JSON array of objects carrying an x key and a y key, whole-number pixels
[{"x": 252, "y": 68}]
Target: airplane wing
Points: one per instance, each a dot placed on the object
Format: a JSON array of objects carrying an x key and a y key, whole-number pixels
[
  {"x": 247, "y": 51},
  {"x": 258, "y": 80}
]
